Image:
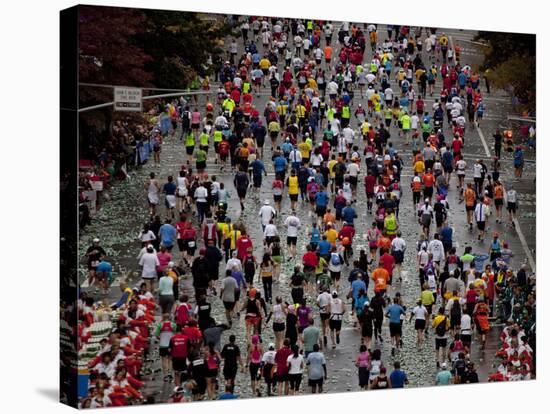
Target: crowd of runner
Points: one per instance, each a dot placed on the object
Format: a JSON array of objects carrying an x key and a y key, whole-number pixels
[{"x": 327, "y": 151}]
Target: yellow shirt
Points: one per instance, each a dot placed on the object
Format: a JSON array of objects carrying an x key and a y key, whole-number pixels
[
  {"x": 419, "y": 167},
  {"x": 304, "y": 149},
  {"x": 332, "y": 236},
  {"x": 365, "y": 128},
  {"x": 300, "y": 111},
  {"x": 439, "y": 319},
  {"x": 274, "y": 126},
  {"x": 265, "y": 63},
  {"x": 293, "y": 185},
  {"x": 427, "y": 297},
  {"x": 331, "y": 165}
]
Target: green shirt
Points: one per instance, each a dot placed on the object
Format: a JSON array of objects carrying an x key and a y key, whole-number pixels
[
  {"x": 406, "y": 122},
  {"x": 311, "y": 337},
  {"x": 203, "y": 139},
  {"x": 387, "y": 113},
  {"x": 201, "y": 155},
  {"x": 443, "y": 377},
  {"x": 218, "y": 136},
  {"x": 190, "y": 140},
  {"x": 345, "y": 112},
  {"x": 426, "y": 127}
]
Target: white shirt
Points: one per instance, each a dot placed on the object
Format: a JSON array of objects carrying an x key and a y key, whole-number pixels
[
  {"x": 233, "y": 263},
  {"x": 512, "y": 196},
  {"x": 293, "y": 224},
  {"x": 398, "y": 244},
  {"x": 296, "y": 364},
  {"x": 201, "y": 194},
  {"x": 435, "y": 247},
  {"x": 149, "y": 263},
  {"x": 267, "y": 213},
  {"x": 353, "y": 169},
  {"x": 349, "y": 134},
  {"x": 477, "y": 170},
  {"x": 270, "y": 230},
  {"x": 332, "y": 88},
  {"x": 323, "y": 300},
  {"x": 414, "y": 121},
  {"x": 146, "y": 237},
  {"x": 479, "y": 212},
  {"x": 420, "y": 312},
  {"x": 466, "y": 324}
]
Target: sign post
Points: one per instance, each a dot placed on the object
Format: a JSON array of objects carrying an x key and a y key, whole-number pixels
[{"x": 127, "y": 99}]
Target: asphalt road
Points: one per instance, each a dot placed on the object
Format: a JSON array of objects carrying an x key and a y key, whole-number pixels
[{"x": 120, "y": 220}]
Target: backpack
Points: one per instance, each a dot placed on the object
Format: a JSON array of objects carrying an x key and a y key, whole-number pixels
[
  {"x": 441, "y": 328},
  {"x": 185, "y": 119},
  {"x": 335, "y": 259}
]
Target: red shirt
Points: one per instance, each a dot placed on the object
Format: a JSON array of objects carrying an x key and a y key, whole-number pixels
[
  {"x": 370, "y": 181},
  {"x": 347, "y": 231},
  {"x": 180, "y": 227},
  {"x": 310, "y": 259},
  {"x": 457, "y": 145},
  {"x": 387, "y": 261},
  {"x": 178, "y": 345},
  {"x": 243, "y": 243},
  {"x": 428, "y": 180},
  {"x": 281, "y": 360}
]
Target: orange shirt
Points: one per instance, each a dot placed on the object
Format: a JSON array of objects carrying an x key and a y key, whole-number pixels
[
  {"x": 384, "y": 243},
  {"x": 469, "y": 197},
  {"x": 328, "y": 52},
  {"x": 329, "y": 218},
  {"x": 428, "y": 180},
  {"x": 380, "y": 276}
]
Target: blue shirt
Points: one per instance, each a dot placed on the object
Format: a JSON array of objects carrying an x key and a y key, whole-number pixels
[
  {"x": 321, "y": 199},
  {"x": 315, "y": 235},
  {"x": 324, "y": 247},
  {"x": 356, "y": 286},
  {"x": 398, "y": 378},
  {"x": 316, "y": 360},
  {"x": 228, "y": 396},
  {"x": 394, "y": 312},
  {"x": 238, "y": 276},
  {"x": 360, "y": 304},
  {"x": 287, "y": 147},
  {"x": 167, "y": 234},
  {"x": 279, "y": 163},
  {"x": 446, "y": 234},
  {"x": 104, "y": 266},
  {"x": 257, "y": 167},
  {"x": 348, "y": 214}
]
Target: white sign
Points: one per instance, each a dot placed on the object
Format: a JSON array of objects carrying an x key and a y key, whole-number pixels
[{"x": 127, "y": 99}]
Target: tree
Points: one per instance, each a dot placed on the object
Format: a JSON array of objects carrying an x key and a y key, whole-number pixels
[
  {"x": 180, "y": 44},
  {"x": 510, "y": 62}
]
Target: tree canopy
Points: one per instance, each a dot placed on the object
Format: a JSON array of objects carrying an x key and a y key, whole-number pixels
[{"x": 510, "y": 59}]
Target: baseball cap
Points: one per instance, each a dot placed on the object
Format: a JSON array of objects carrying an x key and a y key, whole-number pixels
[
  {"x": 95, "y": 240},
  {"x": 266, "y": 202},
  {"x": 444, "y": 365}
]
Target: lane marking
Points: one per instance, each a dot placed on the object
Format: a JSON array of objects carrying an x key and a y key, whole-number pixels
[
  {"x": 482, "y": 137},
  {"x": 522, "y": 239}
]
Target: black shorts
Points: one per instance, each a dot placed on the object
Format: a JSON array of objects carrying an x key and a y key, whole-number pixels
[
  {"x": 353, "y": 180},
  {"x": 278, "y": 326},
  {"x": 201, "y": 165},
  {"x": 195, "y": 126},
  {"x": 320, "y": 210},
  {"x": 448, "y": 169},
  {"x": 228, "y": 305},
  {"x": 241, "y": 192},
  {"x": 253, "y": 369},
  {"x": 419, "y": 324},
  {"x": 281, "y": 377},
  {"x": 293, "y": 197},
  {"x": 481, "y": 225},
  {"x": 335, "y": 275},
  {"x": 278, "y": 198},
  {"x": 315, "y": 382},
  {"x": 470, "y": 208},
  {"x": 499, "y": 202},
  {"x": 295, "y": 381},
  {"x": 440, "y": 343},
  {"x": 229, "y": 372},
  {"x": 466, "y": 339},
  {"x": 163, "y": 352},
  {"x": 324, "y": 316},
  {"x": 395, "y": 329},
  {"x": 211, "y": 373},
  {"x": 179, "y": 364},
  {"x": 512, "y": 207},
  {"x": 291, "y": 241},
  {"x": 335, "y": 325},
  {"x": 189, "y": 150},
  {"x": 398, "y": 256}
]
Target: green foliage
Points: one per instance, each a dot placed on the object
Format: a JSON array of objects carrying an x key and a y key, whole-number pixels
[{"x": 510, "y": 62}]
